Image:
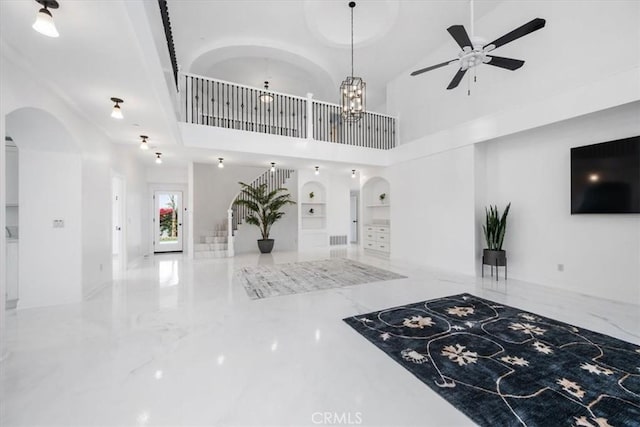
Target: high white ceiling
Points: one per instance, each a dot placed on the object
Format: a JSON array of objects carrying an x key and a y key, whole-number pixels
[
  {"x": 299, "y": 46},
  {"x": 96, "y": 57},
  {"x": 304, "y": 46}
]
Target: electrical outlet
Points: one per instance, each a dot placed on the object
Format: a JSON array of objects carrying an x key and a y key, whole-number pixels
[
  {"x": 560, "y": 267},
  {"x": 58, "y": 223}
]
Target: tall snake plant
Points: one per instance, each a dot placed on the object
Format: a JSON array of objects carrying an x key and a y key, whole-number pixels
[{"x": 495, "y": 227}]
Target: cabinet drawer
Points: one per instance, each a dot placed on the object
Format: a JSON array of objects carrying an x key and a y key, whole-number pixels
[
  {"x": 370, "y": 235},
  {"x": 384, "y": 247},
  {"x": 369, "y": 229},
  {"x": 382, "y": 229},
  {"x": 370, "y": 245},
  {"x": 382, "y": 237}
]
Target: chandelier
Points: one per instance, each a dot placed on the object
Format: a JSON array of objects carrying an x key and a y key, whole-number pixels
[{"x": 352, "y": 89}]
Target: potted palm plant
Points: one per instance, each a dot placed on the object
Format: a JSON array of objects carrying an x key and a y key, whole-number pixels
[
  {"x": 494, "y": 230},
  {"x": 265, "y": 207}
]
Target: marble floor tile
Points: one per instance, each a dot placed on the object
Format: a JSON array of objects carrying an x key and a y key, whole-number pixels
[{"x": 177, "y": 342}]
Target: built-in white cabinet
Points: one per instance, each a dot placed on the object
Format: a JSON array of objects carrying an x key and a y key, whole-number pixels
[
  {"x": 377, "y": 237},
  {"x": 12, "y": 176},
  {"x": 377, "y": 229}
]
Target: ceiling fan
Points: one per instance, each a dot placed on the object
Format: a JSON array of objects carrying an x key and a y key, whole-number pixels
[{"x": 475, "y": 51}]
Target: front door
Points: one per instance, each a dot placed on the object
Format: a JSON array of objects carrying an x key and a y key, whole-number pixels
[{"x": 167, "y": 221}]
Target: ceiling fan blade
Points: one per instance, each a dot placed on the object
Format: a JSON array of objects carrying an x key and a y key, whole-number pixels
[
  {"x": 433, "y": 67},
  {"x": 508, "y": 63},
  {"x": 460, "y": 35},
  {"x": 456, "y": 79},
  {"x": 529, "y": 27}
]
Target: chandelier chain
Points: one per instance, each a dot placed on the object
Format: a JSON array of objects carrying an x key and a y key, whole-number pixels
[{"x": 352, "y": 41}]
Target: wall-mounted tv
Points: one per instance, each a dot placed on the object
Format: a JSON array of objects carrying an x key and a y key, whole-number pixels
[{"x": 605, "y": 177}]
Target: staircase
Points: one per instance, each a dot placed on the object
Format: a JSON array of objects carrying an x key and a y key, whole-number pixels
[{"x": 214, "y": 244}]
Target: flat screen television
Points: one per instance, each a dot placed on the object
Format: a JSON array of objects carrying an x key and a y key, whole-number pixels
[{"x": 605, "y": 177}]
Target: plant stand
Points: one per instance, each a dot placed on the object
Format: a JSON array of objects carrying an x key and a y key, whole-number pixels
[{"x": 494, "y": 259}]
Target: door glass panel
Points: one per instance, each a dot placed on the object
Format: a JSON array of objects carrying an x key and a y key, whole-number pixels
[
  {"x": 168, "y": 221},
  {"x": 168, "y": 218}
]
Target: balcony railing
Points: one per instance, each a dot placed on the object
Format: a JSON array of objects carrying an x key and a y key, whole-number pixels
[
  {"x": 228, "y": 105},
  {"x": 371, "y": 131}
]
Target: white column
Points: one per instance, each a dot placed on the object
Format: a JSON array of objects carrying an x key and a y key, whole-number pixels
[{"x": 309, "y": 116}]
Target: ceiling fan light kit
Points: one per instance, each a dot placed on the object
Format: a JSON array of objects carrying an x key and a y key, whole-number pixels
[
  {"x": 475, "y": 51},
  {"x": 44, "y": 20}
]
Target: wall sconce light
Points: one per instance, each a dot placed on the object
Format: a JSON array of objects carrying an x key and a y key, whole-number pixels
[
  {"x": 353, "y": 173},
  {"x": 44, "y": 20},
  {"x": 144, "y": 145},
  {"x": 158, "y": 158},
  {"x": 116, "y": 113},
  {"x": 317, "y": 170},
  {"x": 273, "y": 167},
  {"x": 220, "y": 164}
]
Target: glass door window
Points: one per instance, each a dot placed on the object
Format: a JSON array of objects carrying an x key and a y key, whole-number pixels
[{"x": 168, "y": 221}]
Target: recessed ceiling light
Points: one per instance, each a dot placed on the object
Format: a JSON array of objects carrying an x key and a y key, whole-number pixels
[
  {"x": 220, "y": 164},
  {"x": 44, "y": 21},
  {"x": 116, "y": 113},
  {"x": 158, "y": 158},
  {"x": 144, "y": 145}
]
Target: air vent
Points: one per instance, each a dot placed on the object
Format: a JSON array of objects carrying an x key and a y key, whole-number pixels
[{"x": 337, "y": 240}]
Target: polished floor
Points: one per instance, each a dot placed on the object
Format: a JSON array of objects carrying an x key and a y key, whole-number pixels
[{"x": 177, "y": 342}]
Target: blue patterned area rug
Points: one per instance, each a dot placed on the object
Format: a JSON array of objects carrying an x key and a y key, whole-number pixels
[
  {"x": 265, "y": 281},
  {"x": 502, "y": 366}
]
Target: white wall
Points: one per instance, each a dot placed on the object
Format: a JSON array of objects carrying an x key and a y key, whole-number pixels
[
  {"x": 560, "y": 58},
  {"x": 600, "y": 253},
  {"x": 88, "y": 260},
  {"x": 337, "y": 187},
  {"x": 166, "y": 175},
  {"x": 3, "y": 239},
  {"x": 338, "y": 207},
  {"x": 432, "y": 210},
  {"x": 214, "y": 190}
]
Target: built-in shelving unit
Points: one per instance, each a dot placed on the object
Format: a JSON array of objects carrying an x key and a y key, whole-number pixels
[
  {"x": 376, "y": 216},
  {"x": 313, "y": 210}
]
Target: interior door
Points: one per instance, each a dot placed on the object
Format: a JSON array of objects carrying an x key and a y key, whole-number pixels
[
  {"x": 168, "y": 221},
  {"x": 354, "y": 218}
]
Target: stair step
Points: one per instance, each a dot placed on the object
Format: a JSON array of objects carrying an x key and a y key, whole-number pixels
[
  {"x": 200, "y": 247},
  {"x": 210, "y": 254},
  {"x": 216, "y": 233},
  {"x": 213, "y": 239}
]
